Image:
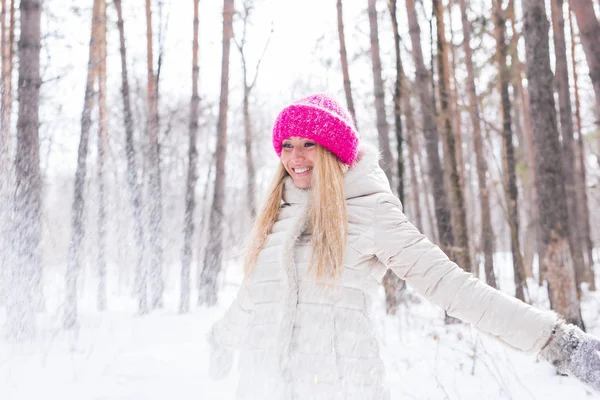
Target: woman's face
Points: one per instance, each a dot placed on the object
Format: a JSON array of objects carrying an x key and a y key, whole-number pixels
[{"x": 298, "y": 157}]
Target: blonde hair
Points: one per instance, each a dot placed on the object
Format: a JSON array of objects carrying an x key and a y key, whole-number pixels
[{"x": 328, "y": 216}]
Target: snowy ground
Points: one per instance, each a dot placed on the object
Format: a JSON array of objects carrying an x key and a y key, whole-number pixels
[{"x": 118, "y": 355}]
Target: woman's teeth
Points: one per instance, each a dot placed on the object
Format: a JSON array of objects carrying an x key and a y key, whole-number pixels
[{"x": 301, "y": 170}]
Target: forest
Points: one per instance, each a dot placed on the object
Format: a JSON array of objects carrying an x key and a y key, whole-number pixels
[{"x": 135, "y": 153}]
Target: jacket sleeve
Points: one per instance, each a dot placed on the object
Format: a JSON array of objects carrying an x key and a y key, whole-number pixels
[
  {"x": 424, "y": 266},
  {"x": 229, "y": 331}
]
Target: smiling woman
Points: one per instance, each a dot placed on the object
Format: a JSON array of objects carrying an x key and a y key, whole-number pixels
[{"x": 329, "y": 231}]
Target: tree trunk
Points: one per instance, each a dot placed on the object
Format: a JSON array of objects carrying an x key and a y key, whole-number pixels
[
  {"x": 550, "y": 183},
  {"x": 393, "y": 285},
  {"x": 135, "y": 190},
  {"x": 508, "y": 153},
  {"x": 190, "y": 194},
  {"x": 25, "y": 274},
  {"x": 74, "y": 264},
  {"x": 566, "y": 127},
  {"x": 344, "y": 58},
  {"x": 383, "y": 135},
  {"x": 589, "y": 32},
  {"x": 102, "y": 145},
  {"x": 580, "y": 181},
  {"x": 413, "y": 149},
  {"x": 154, "y": 178},
  {"x": 532, "y": 239},
  {"x": 456, "y": 193},
  {"x": 487, "y": 233},
  {"x": 207, "y": 293},
  {"x": 436, "y": 173},
  {"x": 8, "y": 45},
  {"x": 248, "y": 87}
]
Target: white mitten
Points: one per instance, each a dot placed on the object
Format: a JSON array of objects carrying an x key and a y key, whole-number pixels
[{"x": 574, "y": 353}]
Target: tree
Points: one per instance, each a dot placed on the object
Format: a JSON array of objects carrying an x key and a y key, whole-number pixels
[
  {"x": 589, "y": 32},
  {"x": 248, "y": 87},
  {"x": 487, "y": 233},
  {"x": 582, "y": 200},
  {"x": 135, "y": 190},
  {"x": 7, "y": 27},
  {"x": 382, "y": 125},
  {"x": 207, "y": 293},
  {"x": 25, "y": 276},
  {"x": 74, "y": 263},
  {"x": 153, "y": 177},
  {"x": 435, "y": 171},
  {"x": 566, "y": 128},
  {"x": 102, "y": 145},
  {"x": 344, "y": 58},
  {"x": 508, "y": 152},
  {"x": 190, "y": 194},
  {"x": 552, "y": 205},
  {"x": 456, "y": 193}
]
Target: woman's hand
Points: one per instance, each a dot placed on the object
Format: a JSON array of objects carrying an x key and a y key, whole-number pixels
[
  {"x": 574, "y": 353},
  {"x": 220, "y": 358}
]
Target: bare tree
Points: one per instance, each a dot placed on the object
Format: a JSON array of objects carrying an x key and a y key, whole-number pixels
[
  {"x": 7, "y": 27},
  {"x": 153, "y": 178},
  {"x": 550, "y": 183},
  {"x": 190, "y": 194},
  {"x": 25, "y": 276},
  {"x": 207, "y": 293},
  {"x": 487, "y": 233},
  {"x": 589, "y": 32},
  {"x": 344, "y": 58},
  {"x": 74, "y": 263},
  {"x": 435, "y": 171},
  {"x": 398, "y": 100},
  {"x": 508, "y": 152},
  {"x": 382, "y": 125},
  {"x": 456, "y": 193},
  {"x": 580, "y": 175},
  {"x": 566, "y": 128},
  {"x": 248, "y": 6},
  {"x": 135, "y": 190},
  {"x": 102, "y": 144}
]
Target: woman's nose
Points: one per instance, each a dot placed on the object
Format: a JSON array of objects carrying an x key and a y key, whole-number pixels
[{"x": 297, "y": 153}]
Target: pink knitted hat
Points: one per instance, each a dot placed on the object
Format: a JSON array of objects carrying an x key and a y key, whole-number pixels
[{"x": 320, "y": 118}]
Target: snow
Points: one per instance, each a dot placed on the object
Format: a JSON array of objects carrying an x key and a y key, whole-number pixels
[{"x": 118, "y": 354}]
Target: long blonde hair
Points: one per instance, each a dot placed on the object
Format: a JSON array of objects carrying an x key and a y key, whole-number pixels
[{"x": 328, "y": 216}]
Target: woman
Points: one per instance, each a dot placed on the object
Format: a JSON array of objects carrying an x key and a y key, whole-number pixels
[{"x": 327, "y": 234}]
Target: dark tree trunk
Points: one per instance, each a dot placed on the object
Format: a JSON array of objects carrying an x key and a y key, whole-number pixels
[
  {"x": 487, "y": 233},
  {"x": 154, "y": 178},
  {"x": 102, "y": 145},
  {"x": 133, "y": 183},
  {"x": 344, "y": 58},
  {"x": 435, "y": 171},
  {"x": 74, "y": 263},
  {"x": 456, "y": 193},
  {"x": 383, "y": 136},
  {"x": 26, "y": 271},
  {"x": 580, "y": 181},
  {"x": 589, "y": 33},
  {"x": 190, "y": 194},
  {"x": 566, "y": 128},
  {"x": 207, "y": 293},
  {"x": 508, "y": 153},
  {"x": 550, "y": 183}
]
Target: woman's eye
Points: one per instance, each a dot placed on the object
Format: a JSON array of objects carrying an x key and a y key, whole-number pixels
[
  {"x": 287, "y": 145},
  {"x": 309, "y": 144}
]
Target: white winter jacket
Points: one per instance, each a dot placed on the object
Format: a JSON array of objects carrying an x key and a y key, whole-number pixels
[{"x": 300, "y": 339}]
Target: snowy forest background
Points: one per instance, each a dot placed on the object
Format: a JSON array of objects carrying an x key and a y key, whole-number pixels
[{"x": 115, "y": 259}]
